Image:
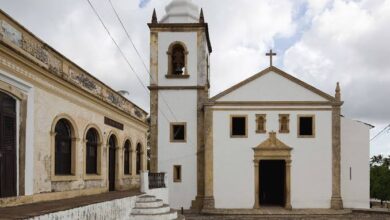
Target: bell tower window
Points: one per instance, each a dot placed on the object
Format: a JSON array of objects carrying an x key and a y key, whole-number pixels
[{"x": 177, "y": 61}]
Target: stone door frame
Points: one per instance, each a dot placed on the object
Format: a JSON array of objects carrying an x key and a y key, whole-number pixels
[{"x": 272, "y": 149}]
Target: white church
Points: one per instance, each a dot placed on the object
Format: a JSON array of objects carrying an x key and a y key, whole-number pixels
[{"x": 270, "y": 140}]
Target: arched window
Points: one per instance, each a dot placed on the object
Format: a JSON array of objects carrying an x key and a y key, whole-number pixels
[
  {"x": 91, "y": 151},
  {"x": 177, "y": 61},
  {"x": 63, "y": 148},
  {"x": 139, "y": 158},
  {"x": 127, "y": 158}
]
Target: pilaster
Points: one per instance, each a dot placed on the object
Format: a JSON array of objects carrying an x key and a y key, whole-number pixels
[
  {"x": 208, "y": 200},
  {"x": 336, "y": 200},
  {"x": 154, "y": 102}
]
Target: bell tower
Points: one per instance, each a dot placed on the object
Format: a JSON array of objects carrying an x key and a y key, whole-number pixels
[{"x": 179, "y": 64}]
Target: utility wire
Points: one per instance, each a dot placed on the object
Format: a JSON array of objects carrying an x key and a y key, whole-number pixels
[
  {"x": 131, "y": 67},
  {"x": 381, "y": 132},
  {"x": 121, "y": 52},
  {"x": 140, "y": 57}
]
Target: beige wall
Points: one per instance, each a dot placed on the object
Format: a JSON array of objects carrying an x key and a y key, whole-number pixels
[{"x": 54, "y": 98}]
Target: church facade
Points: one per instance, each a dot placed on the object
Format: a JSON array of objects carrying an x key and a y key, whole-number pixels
[
  {"x": 270, "y": 140},
  {"x": 63, "y": 133}
]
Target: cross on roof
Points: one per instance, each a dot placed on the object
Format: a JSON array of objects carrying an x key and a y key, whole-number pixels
[{"x": 270, "y": 54}]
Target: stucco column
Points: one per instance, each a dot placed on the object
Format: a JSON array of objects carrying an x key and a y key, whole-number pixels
[
  {"x": 208, "y": 200},
  {"x": 336, "y": 200},
  {"x": 288, "y": 185},
  {"x": 257, "y": 188}
]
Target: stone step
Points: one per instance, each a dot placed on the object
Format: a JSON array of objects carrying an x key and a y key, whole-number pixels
[
  {"x": 171, "y": 215},
  {"x": 180, "y": 217},
  {"x": 146, "y": 198},
  {"x": 153, "y": 204},
  {"x": 153, "y": 210}
]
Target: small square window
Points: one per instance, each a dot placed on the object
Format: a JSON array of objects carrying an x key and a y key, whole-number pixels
[
  {"x": 284, "y": 123},
  {"x": 261, "y": 123},
  {"x": 238, "y": 126},
  {"x": 177, "y": 173},
  {"x": 305, "y": 126},
  {"x": 178, "y": 132}
]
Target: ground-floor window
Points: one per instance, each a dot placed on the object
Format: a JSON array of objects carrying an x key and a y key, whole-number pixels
[{"x": 63, "y": 148}]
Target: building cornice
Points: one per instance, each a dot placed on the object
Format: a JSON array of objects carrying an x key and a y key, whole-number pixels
[
  {"x": 177, "y": 87},
  {"x": 182, "y": 27},
  {"x": 51, "y": 78},
  {"x": 43, "y": 55}
]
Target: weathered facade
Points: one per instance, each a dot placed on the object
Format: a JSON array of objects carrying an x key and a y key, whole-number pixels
[
  {"x": 46, "y": 90},
  {"x": 272, "y": 139}
]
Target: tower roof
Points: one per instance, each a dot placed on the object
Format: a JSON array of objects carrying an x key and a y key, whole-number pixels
[{"x": 181, "y": 11}]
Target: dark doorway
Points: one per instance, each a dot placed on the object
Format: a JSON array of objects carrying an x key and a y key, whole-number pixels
[
  {"x": 7, "y": 146},
  {"x": 111, "y": 163},
  {"x": 272, "y": 182}
]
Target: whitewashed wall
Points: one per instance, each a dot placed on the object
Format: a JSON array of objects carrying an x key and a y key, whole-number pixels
[
  {"x": 165, "y": 39},
  {"x": 272, "y": 87},
  {"x": 311, "y": 182},
  {"x": 118, "y": 209},
  {"x": 183, "y": 103},
  {"x": 355, "y": 154}
]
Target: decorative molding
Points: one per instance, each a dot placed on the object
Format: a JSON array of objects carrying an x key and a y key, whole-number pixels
[
  {"x": 272, "y": 149},
  {"x": 177, "y": 87},
  {"x": 51, "y": 86},
  {"x": 262, "y": 117},
  {"x": 182, "y": 27},
  {"x": 271, "y": 103},
  {"x": 32, "y": 48},
  {"x": 285, "y": 117},
  {"x": 271, "y": 109}
]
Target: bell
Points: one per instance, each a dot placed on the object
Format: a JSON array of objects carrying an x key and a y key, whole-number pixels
[{"x": 178, "y": 71}]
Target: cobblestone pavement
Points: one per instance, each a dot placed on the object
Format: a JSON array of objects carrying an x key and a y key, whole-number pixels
[{"x": 351, "y": 216}]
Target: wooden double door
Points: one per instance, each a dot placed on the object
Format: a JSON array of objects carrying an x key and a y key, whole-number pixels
[{"x": 7, "y": 146}]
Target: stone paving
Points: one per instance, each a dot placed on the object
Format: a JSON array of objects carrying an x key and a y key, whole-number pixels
[
  {"x": 307, "y": 217},
  {"x": 295, "y": 214}
]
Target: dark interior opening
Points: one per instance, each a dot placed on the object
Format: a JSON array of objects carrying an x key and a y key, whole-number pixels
[
  {"x": 178, "y": 132},
  {"x": 177, "y": 172},
  {"x": 272, "y": 182},
  {"x": 238, "y": 126},
  {"x": 306, "y": 126}
]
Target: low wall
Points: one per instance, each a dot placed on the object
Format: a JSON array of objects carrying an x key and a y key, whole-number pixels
[
  {"x": 160, "y": 193},
  {"x": 116, "y": 209}
]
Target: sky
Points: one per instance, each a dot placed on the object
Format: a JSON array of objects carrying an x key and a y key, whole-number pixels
[{"x": 319, "y": 41}]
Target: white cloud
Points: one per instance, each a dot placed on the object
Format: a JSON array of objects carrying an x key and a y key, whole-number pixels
[{"x": 331, "y": 40}]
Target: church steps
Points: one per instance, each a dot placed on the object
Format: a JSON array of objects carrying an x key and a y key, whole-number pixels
[
  {"x": 152, "y": 210},
  {"x": 149, "y": 208},
  {"x": 146, "y": 198},
  {"x": 171, "y": 215},
  {"x": 152, "y": 204}
]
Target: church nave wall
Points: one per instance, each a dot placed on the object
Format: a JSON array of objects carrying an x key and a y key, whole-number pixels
[{"x": 233, "y": 158}]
